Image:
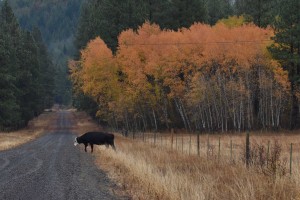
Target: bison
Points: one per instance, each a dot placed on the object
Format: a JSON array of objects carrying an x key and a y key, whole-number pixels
[{"x": 98, "y": 138}]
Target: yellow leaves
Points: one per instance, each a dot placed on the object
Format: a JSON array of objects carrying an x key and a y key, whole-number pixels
[
  {"x": 160, "y": 63},
  {"x": 280, "y": 75},
  {"x": 148, "y": 30},
  {"x": 98, "y": 72},
  {"x": 96, "y": 53},
  {"x": 233, "y": 21}
]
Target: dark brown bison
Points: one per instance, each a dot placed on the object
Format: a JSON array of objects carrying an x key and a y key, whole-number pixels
[{"x": 98, "y": 138}]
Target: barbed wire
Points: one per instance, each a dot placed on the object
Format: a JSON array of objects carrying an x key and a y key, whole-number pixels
[
  {"x": 202, "y": 42},
  {"x": 186, "y": 43}
]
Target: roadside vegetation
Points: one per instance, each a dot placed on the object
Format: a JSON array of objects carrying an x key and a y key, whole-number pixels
[
  {"x": 219, "y": 71},
  {"x": 145, "y": 170},
  {"x": 35, "y": 129}
]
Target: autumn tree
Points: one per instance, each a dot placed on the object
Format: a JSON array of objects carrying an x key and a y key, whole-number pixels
[
  {"x": 234, "y": 56},
  {"x": 96, "y": 75},
  {"x": 205, "y": 78}
]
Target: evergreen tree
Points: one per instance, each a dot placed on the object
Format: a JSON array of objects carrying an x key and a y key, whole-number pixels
[
  {"x": 28, "y": 77},
  {"x": 287, "y": 48},
  {"x": 47, "y": 72},
  {"x": 9, "y": 38},
  {"x": 25, "y": 73},
  {"x": 261, "y": 12},
  {"x": 162, "y": 12},
  {"x": 185, "y": 13},
  {"x": 107, "y": 18},
  {"x": 218, "y": 9},
  {"x": 57, "y": 21}
]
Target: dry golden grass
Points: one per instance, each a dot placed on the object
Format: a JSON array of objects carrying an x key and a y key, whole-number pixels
[
  {"x": 146, "y": 171},
  {"x": 84, "y": 123},
  {"x": 35, "y": 129}
]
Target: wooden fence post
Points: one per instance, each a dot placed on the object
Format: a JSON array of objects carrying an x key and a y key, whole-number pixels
[
  {"x": 172, "y": 139},
  {"x": 268, "y": 153},
  {"x": 219, "y": 151},
  {"x": 190, "y": 144},
  {"x": 247, "y": 149},
  {"x": 230, "y": 149},
  {"x": 182, "y": 143},
  {"x": 143, "y": 136},
  {"x": 291, "y": 158},
  {"x": 198, "y": 143},
  {"x": 176, "y": 140},
  {"x": 207, "y": 146}
]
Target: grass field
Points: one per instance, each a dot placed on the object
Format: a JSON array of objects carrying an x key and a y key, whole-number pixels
[
  {"x": 35, "y": 129},
  {"x": 148, "y": 168}
]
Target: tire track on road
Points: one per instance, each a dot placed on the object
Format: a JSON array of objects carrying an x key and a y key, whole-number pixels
[
  {"x": 5, "y": 163},
  {"x": 19, "y": 156}
]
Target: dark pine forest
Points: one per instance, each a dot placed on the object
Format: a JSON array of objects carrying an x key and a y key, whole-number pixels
[{"x": 37, "y": 38}]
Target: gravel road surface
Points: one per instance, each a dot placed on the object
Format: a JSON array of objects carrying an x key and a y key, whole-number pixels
[{"x": 52, "y": 168}]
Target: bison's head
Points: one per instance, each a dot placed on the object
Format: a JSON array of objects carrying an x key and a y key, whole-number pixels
[{"x": 75, "y": 141}]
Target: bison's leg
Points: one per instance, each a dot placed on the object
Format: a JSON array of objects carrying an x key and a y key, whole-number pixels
[
  {"x": 113, "y": 145},
  {"x": 85, "y": 146},
  {"x": 92, "y": 147}
]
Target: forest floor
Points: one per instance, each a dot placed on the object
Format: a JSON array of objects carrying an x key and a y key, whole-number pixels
[{"x": 151, "y": 166}]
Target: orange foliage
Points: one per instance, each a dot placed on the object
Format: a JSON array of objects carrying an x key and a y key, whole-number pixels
[
  {"x": 175, "y": 56},
  {"x": 162, "y": 63},
  {"x": 99, "y": 71}
]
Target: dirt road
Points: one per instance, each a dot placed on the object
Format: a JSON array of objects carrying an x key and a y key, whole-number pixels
[{"x": 52, "y": 168}]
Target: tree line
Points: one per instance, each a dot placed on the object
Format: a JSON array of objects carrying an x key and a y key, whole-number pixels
[
  {"x": 26, "y": 72},
  {"x": 228, "y": 75},
  {"x": 57, "y": 21},
  {"x": 201, "y": 78}
]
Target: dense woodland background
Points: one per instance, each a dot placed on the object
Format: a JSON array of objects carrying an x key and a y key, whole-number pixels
[
  {"x": 154, "y": 65},
  {"x": 57, "y": 21},
  {"x": 36, "y": 78},
  {"x": 26, "y": 80}
]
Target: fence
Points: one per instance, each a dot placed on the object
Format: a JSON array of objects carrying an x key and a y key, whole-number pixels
[{"x": 233, "y": 148}]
